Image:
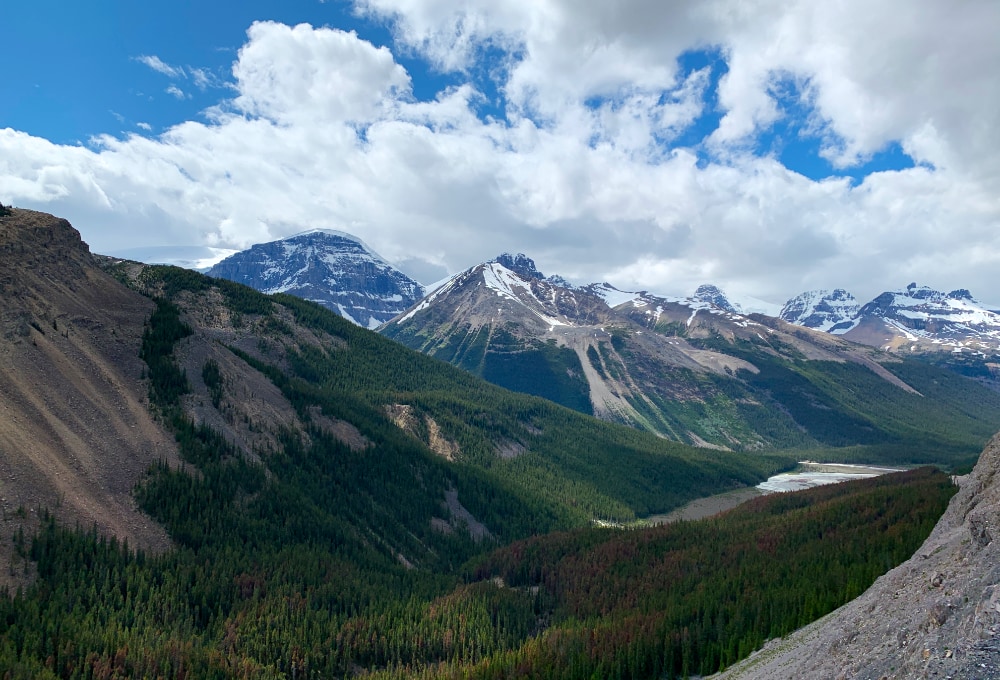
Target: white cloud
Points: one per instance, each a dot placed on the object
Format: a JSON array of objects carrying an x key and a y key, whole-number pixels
[
  {"x": 176, "y": 92},
  {"x": 160, "y": 66},
  {"x": 323, "y": 130},
  {"x": 144, "y": 126},
  {"x": 204, "y": 79},
  {"x": 301, "y": 74}
]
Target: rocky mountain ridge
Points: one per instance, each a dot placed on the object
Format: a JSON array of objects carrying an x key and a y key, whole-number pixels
[
  {"x": 689, "y": 369},
  {"x": 340, "y": 272},
  {"x": 76, "y": 433},
  {"x": 913, "y": 319}
]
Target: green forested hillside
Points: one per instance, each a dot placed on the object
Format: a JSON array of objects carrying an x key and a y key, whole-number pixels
[
  {"x": 261, "y": 593},
  {"x": 692, "y": 598},
  {"x": 586, "y": 468},
  {"x": 844, "y": 405},
  {"x": 315, "y": 557}
]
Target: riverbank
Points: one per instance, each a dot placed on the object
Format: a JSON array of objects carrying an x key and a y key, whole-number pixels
[{"x": 807, "y": 475}]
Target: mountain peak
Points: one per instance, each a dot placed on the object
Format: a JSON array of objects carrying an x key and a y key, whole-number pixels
[
  {"x": 333, "y": 268},
  {"x": 833, "y": 311},
  {"x": 918, "y": 314},
  {"x": 714, "y": 295},
  {"x": 520, "y": 264}
]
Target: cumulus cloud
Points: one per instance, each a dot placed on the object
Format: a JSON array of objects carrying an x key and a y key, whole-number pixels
[{"x": 583, "y": 169}]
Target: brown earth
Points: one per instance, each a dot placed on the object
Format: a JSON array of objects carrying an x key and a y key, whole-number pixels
[
  {"x": 935, "y": 616},
  {"x": 76, "y": 433}
]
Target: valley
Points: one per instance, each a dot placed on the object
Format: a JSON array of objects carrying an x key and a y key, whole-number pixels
[
  {"x": 806, "y": 475},
  {"x": 469, "y": 340},
  {"x": 303, "y": 497}
]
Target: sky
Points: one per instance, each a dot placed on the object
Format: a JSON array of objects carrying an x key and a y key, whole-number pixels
[{"x": 768, "y": 147}]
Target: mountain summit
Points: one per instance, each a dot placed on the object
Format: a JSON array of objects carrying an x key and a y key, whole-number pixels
[
  {"x": 520, "y": 264},
  {"x": 713, "y": 295},
  {"x": 834, "y": 311},
  {"x": 332, "y": 268}
]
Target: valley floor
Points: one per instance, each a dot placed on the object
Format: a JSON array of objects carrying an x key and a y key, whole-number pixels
[{"x": 701, "y": 508}]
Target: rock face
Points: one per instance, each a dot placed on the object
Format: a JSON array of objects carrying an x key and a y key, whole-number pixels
[
  {"x": 520, "y": 264},
  {"x": 834, "y": 311},
  {"x": 936, "y": 615},
  {"x": 334, "y": 269}
]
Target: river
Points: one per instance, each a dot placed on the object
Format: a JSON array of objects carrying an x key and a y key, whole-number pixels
[{"x": 807, "y": 475}]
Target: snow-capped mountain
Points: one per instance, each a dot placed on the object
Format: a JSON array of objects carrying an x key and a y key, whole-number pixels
[
  {"x": 332, "y": 268},
  {"x": 713, "y": 295},
  {"x": 914, "y": 319},
  {"x": 651, "y": 310},
  {"x": 680, "y": 367},
  {"x": 920, "y": 318},
  {"x": 508, "y": 286},
  {"x": 834, "y": 311}
]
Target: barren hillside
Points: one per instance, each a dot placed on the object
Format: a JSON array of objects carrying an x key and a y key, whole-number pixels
[{"x": 75, "y": 430}]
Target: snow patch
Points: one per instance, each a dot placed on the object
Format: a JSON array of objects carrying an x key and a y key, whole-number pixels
[{"x": 613, "y": 296}]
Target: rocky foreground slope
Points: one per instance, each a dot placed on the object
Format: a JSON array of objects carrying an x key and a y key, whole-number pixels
[
  {"x": 935, "y": 616},
  {"x": 76, "y": 433}
]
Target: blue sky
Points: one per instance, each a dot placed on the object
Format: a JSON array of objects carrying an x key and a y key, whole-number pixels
[
  {"x": 78, "y": 63},
  {"x": 767, "y": 147},
  {"x": 91, "y": 78}
]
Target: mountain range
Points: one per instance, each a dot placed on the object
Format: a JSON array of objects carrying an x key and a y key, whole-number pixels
[
  {"x": 914, "y": 319},
  {"x": 690, "y": 369},
  {"x": 343, "y": 274},
  {"x": 201, "y": 480}
]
